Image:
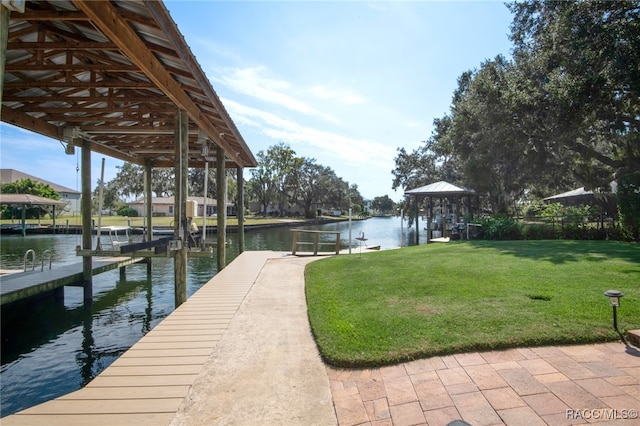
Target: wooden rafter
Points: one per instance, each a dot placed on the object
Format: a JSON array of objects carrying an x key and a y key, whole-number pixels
[{"x": 116, "y": 72}]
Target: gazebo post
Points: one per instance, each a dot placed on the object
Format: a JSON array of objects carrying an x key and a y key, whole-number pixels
[
  {"x": 417, "y": 223},
  {"x": 442, "y": 218},
  {"x": 429, "y": 220},
  {"x": 24, "y": 220}
]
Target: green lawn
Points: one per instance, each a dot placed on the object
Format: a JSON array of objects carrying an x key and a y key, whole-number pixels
[{"x": 397, "y": 305}]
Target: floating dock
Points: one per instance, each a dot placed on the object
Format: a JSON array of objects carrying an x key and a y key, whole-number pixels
[{"x": 21, "y": 285}]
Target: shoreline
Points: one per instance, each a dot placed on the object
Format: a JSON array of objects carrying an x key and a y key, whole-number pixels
[{"x": 33, "y": 229}]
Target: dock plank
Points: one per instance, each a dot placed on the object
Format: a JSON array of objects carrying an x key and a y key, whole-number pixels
[
  {"x": 129, "y": 392},
  {"x": 72, "y": 419},
  {"x": 147, "y": 384},
  {"x": 175, "y": 352},
  {"x": 166, "y": 361},
  {"x": 151, "y": 370},
  {"x": 97, "y": 406}
]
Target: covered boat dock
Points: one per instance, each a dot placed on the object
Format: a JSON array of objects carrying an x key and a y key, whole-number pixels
[
  {"x": 445, "y": 204},
  {"x": 118, "y": 78}
]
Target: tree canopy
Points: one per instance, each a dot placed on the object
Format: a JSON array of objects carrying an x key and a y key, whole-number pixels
[
  {"x": 27, "y": 186},
  {"x": 563, "y": 112},
  {"x": 287, "y": 182}
]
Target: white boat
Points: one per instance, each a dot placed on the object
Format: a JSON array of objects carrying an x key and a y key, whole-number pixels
[{"x": 113, "y": 237}]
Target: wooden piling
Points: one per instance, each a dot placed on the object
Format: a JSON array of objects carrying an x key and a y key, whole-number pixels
[
  {"x": 180, "y": 206},
  {"x": 221, "y": 183},
  {"x": 240, "y": 209},
  {"x": 87, "y": 280},
  {"x": 148, "y": 208}
]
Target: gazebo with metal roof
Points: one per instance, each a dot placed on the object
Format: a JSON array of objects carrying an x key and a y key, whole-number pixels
[
  {"x": 441, "y": 191},
  {"x": 27, "y": 200},
  {"x": 118, "y": 78}
]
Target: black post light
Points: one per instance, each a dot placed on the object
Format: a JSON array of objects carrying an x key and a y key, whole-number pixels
[{"x": 614, "y": 298}]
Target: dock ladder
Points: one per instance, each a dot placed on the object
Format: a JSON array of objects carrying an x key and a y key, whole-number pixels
[{"x": 46, "y": 253}]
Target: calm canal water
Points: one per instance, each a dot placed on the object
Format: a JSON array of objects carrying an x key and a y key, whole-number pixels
[{"x": 49, "y": 350}]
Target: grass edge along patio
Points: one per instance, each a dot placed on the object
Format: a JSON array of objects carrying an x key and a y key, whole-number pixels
[{"x": 398, "y": 305}]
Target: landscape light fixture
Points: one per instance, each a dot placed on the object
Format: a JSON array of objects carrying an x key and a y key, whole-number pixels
[{"x": 614, "y": 299}]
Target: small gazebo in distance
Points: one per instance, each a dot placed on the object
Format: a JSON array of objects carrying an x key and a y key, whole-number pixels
[
  {"x": 446, "y": 205},
  {"x": 605, "y": 201},
  {"x": 22, "y": 201}
]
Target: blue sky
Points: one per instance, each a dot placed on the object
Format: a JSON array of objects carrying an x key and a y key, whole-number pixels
[{"x": 346, "y": 83}]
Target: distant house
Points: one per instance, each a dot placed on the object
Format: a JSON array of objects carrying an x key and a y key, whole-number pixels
[
  {"x": 68, "y": 195},
  {"x": 367, "y": 205},
  {"x": 164, "y": 206}
]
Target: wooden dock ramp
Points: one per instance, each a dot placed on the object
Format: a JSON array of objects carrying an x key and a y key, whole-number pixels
[{"x": 147, "y": 384}]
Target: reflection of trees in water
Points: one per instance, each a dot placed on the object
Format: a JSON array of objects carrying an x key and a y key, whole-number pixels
[
  {"x": 30, "y": 324},
  {"x": 92, "y": 362},
  {"x": 88, "y": 346}
]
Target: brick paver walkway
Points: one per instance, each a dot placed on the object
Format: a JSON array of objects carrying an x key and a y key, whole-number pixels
[{"x": 537, "y": 386}]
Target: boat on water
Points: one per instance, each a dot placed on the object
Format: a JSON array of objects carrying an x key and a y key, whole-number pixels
[{"x": 113, "y": 237}]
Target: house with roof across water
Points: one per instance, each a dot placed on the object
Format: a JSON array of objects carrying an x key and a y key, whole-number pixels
[{"x": 70, "y": 196}]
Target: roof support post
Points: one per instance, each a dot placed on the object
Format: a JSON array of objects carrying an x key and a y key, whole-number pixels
[
  {"x": 180, "y": 206},
  {"x": 240, "y": 209},
  {"x": 221, "y": 183},
  {"x": 4, "y": 37},
  {"x": 148, "y": 200},
  {"x": 87, "y": 269},
  {"x": 203, "y": 237}
]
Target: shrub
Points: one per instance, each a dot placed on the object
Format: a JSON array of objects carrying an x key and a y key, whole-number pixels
[
  {"x": 535, "y": 208},
  {"x": 538, "y": 231},
  {"x": 500, "y": 227},
  {"x": 127, "y": 211},
  {"x": 628, "y": 195}
]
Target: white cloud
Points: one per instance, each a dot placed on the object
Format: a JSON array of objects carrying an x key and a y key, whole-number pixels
[
  {"x": 354, "y": 151},
  {"x": 251, "y": 82},
  {"x": 255, "y": 83},
  {"x": 347, "y": 97}
]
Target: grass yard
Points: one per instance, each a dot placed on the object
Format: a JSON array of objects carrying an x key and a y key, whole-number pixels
[{"x": 398, "y": 305}]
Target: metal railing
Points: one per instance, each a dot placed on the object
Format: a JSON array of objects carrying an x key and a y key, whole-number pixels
[{"x": 45, "y": 254}]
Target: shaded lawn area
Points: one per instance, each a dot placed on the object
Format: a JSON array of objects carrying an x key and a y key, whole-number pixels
[{"x": 398, "y": 305}]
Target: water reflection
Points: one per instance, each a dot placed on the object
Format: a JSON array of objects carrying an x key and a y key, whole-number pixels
[
  {"x": 86, "y": 358},
  {"x": 49, "y": 349}
]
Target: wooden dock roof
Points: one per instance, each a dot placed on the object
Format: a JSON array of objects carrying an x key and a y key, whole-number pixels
[{"x": 116, "y": 73}]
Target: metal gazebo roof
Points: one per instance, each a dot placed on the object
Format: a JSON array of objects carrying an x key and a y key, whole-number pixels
[
  {"x": 440, "y": 189},
  {"x": 28, "y": 200},
  {"x": 115, "y": 73},
  {"x": 579, "y": 193}
]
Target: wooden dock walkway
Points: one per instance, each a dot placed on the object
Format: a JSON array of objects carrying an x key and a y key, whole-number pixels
[
  {"x": 147, "y": 384},
  {"x": 20, "y": 285}
]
